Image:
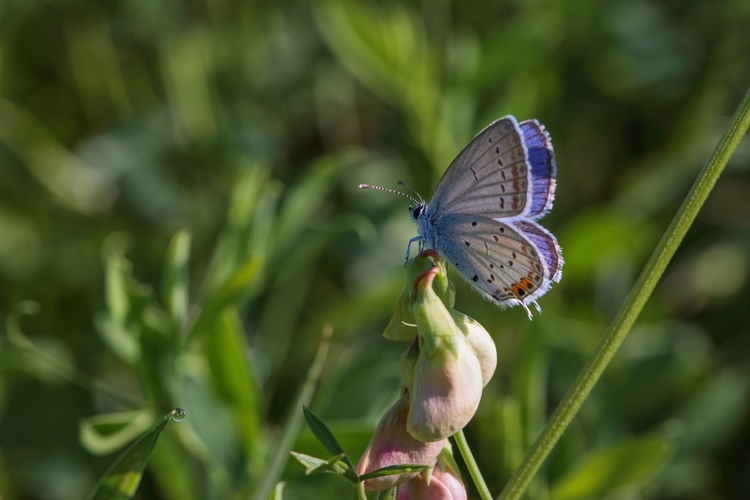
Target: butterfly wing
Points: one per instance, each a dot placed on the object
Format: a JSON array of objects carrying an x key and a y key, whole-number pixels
[
  {"x": 509, "y": 262},
  {"x": 507, "y": 170}
]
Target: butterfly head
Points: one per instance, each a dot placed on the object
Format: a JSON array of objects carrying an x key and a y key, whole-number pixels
[{"x": 417, "y": 210}]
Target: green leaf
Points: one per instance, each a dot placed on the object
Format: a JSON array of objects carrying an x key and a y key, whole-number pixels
[
  {"x": 173, "y": 469},
  {"x": 628, "y": 463},
  {"x": 314, "y": 465},
  {"x": 309, "y": 249},
  {"x": 309, "y": 462},
  {"x": 252, "y": 211},
  {"x": 302, "y": 203},
  {"x": 386, "y": 50},
  {"x": 46, "y": 358},
  {"x": 121, "y": 480},
  {"x": 116, "y": 294},
  {"x": 175, "y": 279},
  {"x": 123, "y": 342},
  {"x": 394, "y": 469},
  {"x": 278, "y": 491},
  {"x": 13, "y": 326},
  {"x": 126, "y": 300},
  {"x": 324, "y": 435},
  {"x": 241, "y": 281},
  {"x": 234, "y": 381},
  {"x": 102, "y": 434}
]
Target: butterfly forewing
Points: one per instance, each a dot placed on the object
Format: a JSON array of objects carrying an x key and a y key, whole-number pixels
[
  {"x": 508, "y": 263},
  {"x": 540, "y": 159},
  {"x": 507, "y": 170},
  {"x": 489, "y": 177}
]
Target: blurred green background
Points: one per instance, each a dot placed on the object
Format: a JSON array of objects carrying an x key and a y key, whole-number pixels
[{"x": 161, "y": 158}]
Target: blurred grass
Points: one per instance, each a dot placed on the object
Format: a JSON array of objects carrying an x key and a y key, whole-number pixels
[{"x": 178, "y": 195}]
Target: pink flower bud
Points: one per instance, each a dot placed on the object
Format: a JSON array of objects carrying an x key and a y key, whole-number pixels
[
  {"x": 444, "y": 484},
  {"x": 440, "y": 488},
  {"x": 392, "y": 445}
]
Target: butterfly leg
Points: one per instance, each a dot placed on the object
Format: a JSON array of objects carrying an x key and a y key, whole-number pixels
[{"x": 408, "y": 247}]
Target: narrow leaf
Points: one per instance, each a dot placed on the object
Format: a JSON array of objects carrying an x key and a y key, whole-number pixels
[
  {"x": 234, "y": 381},
  {"x": 278, "y": 491},
  {"x": 324, "y": 435},
  {"x": 241, "y": 281},
  {"x": 394, "y": 469},
  {"x": 175, "y": 279},
  {"x": 102, "y": 434},
  {"x": 333, "y": 465},
  {"x": 121, "y": 480},
  {"x": 309, "y": 462}
]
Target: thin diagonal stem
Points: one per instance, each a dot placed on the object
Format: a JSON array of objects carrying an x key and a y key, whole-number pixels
[
  {"x": 632, "y": 306},
  {"x": 294, "y": 420},
  {"x": 471, "y": 464}
]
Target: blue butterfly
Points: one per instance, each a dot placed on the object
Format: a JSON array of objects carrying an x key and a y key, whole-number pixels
[{"x": 482, "y": 217}]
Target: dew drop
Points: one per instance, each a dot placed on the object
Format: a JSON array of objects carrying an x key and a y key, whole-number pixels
[{"x": 178, "y": 414}]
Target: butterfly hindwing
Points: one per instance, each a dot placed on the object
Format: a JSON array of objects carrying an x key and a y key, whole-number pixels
[{"x": 508, "y": 263}]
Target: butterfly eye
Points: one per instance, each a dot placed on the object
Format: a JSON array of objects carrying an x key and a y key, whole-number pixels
[{"x": 417, "y": 211}]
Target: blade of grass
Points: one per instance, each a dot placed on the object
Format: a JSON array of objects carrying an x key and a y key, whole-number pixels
[
  {"x": 123, "y": 477},
  {"x": 294, "y": 420},
  {"x": 633, "y": 305},
  {"x": 175, "y": 280}
]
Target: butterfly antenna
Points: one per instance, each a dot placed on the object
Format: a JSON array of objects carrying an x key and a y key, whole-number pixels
[
  {"x": 370, "y": 186},
  {"x": 401, "y": 183}
]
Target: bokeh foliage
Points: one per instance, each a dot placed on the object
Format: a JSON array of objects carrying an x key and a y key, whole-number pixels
[{"x": 179, "y": 218}]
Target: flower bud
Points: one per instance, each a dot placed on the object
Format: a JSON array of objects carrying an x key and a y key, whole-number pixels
[
  {"x": 480, "y": 342},
  {"x": 447, "y": 381},
  {"x": 401, "y": 326},
  {"x": 443, "y": 483},
  {"x": 392, "y": 445}
]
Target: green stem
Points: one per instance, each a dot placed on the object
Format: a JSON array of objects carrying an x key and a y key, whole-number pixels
[
  {"x": 632, "y": 306},
  {"x": 471, "y": 464},
  {"x": 294, "y": 420}
]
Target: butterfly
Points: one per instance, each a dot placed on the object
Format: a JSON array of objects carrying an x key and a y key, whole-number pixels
[{"x": 482, "y": 217}]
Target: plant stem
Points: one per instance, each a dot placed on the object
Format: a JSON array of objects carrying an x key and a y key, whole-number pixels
[
  {"x": 633, "y": 305},
  {"x": 471, "y": 464},
  {"x": 294, "y": 420}
]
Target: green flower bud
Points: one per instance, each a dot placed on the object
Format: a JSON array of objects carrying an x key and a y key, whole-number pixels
[{"x": 401, "y": 326}]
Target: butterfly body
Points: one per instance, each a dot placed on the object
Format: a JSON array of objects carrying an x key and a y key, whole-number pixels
[{"x": 482, "y": 217}]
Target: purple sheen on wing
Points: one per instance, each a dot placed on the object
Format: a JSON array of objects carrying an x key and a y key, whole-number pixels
[
  {"x": 547, "y": 245},
  {"x": 541, "y": 162}
]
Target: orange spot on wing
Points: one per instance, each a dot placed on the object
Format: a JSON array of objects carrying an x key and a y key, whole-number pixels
[{"x": 522, "y": 289}]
